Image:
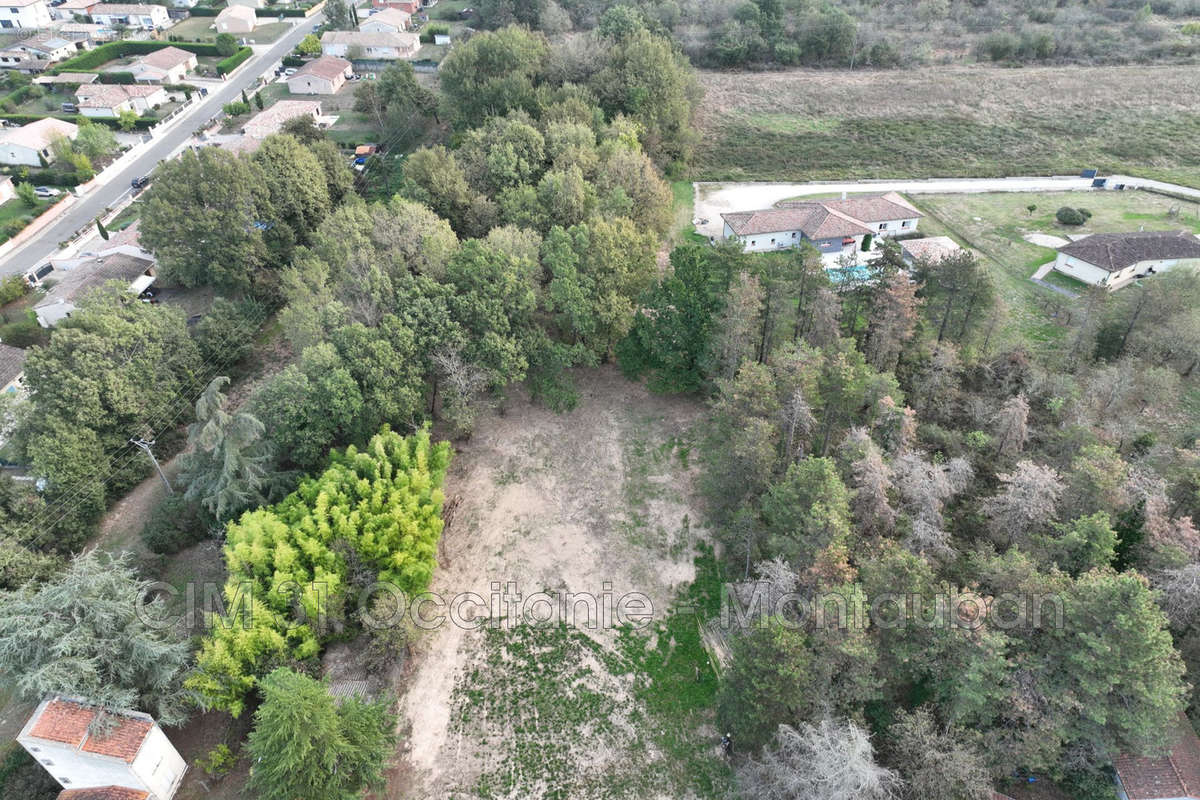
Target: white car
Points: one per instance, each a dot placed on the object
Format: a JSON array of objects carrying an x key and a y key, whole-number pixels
[
  {"x": 46, "y": 191},
  {"x": 289, "y": 72}
]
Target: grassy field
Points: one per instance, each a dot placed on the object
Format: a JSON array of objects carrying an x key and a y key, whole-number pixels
[
  {"x": 950, "y": 121},
  {"x": 995, "y": 225},
  {"x": 200, "y": 29}
]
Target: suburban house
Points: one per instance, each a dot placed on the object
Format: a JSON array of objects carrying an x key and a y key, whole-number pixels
[
  {"x": 1174, "y": 776},
  {"x": 66, "y": 79},
  {"x": 52, "y": 46},
  {"x": 69, "y": 9},
  {"x": 146, "y": 18},
  {"x": 832, "y": 226},
  {"x": 12, "y": 369},
  {"x": 134, "y": 754},
  {"x": 324, "y": 75},
  {"x": 370, "y": 46},
  {"x": 110, "y": 99},
  {"x": 236, "y": 19},
  {"x": 247, "y": 3},
  {"x": 97, "y": 33},
  {"x": 128, "y": 264},
  {"x": 389, "y": 20},
  {"x": 1112, "y": 260},
  {"x": 931, "y": 249},
  {"x": 270, "y": 121},
  {"x": 407, "y": 6},
  {"x": 7, "y": 190},
  {"x": 168, "y": 65},
  {"x": 29, "y": 144},
  {"x": 24, "y": 14}
]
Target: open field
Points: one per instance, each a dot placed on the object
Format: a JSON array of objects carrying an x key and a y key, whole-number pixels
[
  {"x": 565, "y": 503},
  {"x": 201, "y": 29},
  {"x": 949, "y": 122},
  {"x": 995, "y": 225}
]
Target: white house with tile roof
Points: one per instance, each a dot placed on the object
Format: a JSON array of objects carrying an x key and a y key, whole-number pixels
[{"x": 832, "y": 226}]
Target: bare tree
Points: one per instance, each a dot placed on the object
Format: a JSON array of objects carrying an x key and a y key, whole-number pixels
[
  {"x": 925, "y": 486},
  {"x": 739, "y": 320},
  {"x": 872, "y": 481},
  {"x": 936, "y": 763},
  {"x": 1179, "y": 594},
  {"x": 798, "y": 422},
  {"x": 826, "y": 319},
  {"x": 1027, "y": 503},
  {"x": 895, "y": 426},
  {"x": 893, "y": 321},
  {"x": 1011, "y": 426},
  {"x": 463, "y": 382},
  {"x": 936, "y": 384},
  {"x": 832, "y": 760}
]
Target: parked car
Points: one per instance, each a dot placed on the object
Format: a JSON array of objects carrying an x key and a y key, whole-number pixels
[
  {"x": 289, "y": 72},
  {"x": 137, "y": 184},
  {"x": 46, "y": 191},
  {"x": 70, "y": 108}
]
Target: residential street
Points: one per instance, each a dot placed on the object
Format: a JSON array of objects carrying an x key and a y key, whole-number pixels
[
  {"x": 165, "y": 144},
  {"x": 715, "y": 199}
]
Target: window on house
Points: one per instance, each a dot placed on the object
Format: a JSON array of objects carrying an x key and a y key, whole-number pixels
[
  {"x": 883, "y": 226},
  {"x": 772, "y": 241},
  {"x": 905, "y": 224},
  {"x": 753, "y": 242},
  {"x": 793, "y": 234}
]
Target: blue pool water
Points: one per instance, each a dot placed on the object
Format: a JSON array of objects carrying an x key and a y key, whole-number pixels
[{"x": 842, "y": 274}]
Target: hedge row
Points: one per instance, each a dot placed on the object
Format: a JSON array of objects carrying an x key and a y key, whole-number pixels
[
  {"x": 205, "y": 11},
  {"x": 281, "y": 12},
  {"x": 228, "y": 65},
  {"x": 107, "y": 52},
  {"x": 142, "y": 123}
]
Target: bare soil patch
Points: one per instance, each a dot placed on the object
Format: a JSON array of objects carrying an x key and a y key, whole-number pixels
[{"x": 552, "y": 502}]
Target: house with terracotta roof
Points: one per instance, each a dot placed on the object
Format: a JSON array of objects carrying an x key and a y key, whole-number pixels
[
  {"x": 931, "y": 249},
  {"x": 832, "y": 226},
  {"x": 110, "y": 99},
  {"x": 29, "y": 144},
  {"x": 1112, "y": 260},
  {"x": 389, "y": 20},
  {"x": 12, "y": 369},
  {"x": 122, "y": 756},
  {"x": 324, "y": 75},
  {"x": 168, "y": 65},
  {"x": 236, "y": 19},
  {"x": 367, "y": 46},
  {"x": 271, "y": 120},
  {"x": 1174, "y": 776},
  {"x": 131, "y": 15}
]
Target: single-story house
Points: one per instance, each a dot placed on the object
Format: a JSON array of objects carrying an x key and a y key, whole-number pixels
[
  {"x": 1112, "y": 260},
  {"x": 69, "y": 9},
  {"x": 389, "y": 20},
  {"x": 236, "y": 19},
  {"x": 53, "y": 46},
  {"x": 832, "y": 226},
  {"x": 29, "y": 144},
  {"x": 22, "y": 61},
  {"x": 77, "y": 276},
  {"x": 97, "y": 33},
  {"x": 370, "y": 46},
  {"x": 270, "y": 121},
  {"x": 130, "y": 759},
  {"x": 1174, "y": 776},
  {"x": 12, "y": 369},
  {"x": 407, "y": 6},
  {"x": 146, "y": 18},
  {"x": 168, "y": 65},
  {"x": 324, "y": 75},
  {"x": 24, "y": 14},
  {"x": 110, "y": 99},
  {"x": 931, "y": 248}
]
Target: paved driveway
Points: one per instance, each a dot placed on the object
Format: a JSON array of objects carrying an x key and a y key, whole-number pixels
[
  {"x": 715, "y": 199},
  {"x": 165, "y": 144}
]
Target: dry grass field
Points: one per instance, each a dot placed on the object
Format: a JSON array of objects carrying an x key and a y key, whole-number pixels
[{"x": 950, "y": 122}]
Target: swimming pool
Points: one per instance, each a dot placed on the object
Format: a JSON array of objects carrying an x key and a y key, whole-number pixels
[{"x": 854, "y": 272}]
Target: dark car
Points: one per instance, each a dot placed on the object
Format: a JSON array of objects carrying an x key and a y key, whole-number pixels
[{"x": 140, "y": 183}]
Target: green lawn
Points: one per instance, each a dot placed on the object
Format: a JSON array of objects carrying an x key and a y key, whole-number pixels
[
  {"x": 201, "y": 29},
  {"x": 995, "y": 226},
  {"x": 946, "y": 122}
]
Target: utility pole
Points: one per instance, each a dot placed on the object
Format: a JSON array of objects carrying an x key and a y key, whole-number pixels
[{"x": 144, "y": 445}]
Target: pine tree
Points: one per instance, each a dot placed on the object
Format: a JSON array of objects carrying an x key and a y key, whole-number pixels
[
  {"x": 103, "y": 231},
  {"x": 307, "y": 747},
  {"x": 229, "y": 460}
]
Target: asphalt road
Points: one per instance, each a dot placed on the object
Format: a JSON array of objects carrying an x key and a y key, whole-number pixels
[
  {"x": 715, "y": 199},
  {"x": 164, "y": 145}
]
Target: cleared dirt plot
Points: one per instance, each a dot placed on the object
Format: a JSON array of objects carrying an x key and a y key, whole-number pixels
[
  {"x": 577, "y": 502},
  {"x": 950, "y": 122}
]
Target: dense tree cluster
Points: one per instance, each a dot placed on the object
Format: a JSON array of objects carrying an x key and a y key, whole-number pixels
[
  {"x": 1007, "y": 479},
  {"x": 373, "y": 515}
]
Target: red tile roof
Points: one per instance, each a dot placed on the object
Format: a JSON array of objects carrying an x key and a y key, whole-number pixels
[
  {"x": 1174, "y": 776},
  {"x": 63, "y": 721},
  {"x": 824, "y": 219},
  {"x": 103, "y": 793},
  {"x": 67, "y": 721}
]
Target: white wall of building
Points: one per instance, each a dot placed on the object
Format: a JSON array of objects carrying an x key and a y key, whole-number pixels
[
  {"x": 158, "y": 765},
  {"x": 34, "y": 15},
  {"x": 1091, "y": 274},
  {"x": 894, "y": 227}
]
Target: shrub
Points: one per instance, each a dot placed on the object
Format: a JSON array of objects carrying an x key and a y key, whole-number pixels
[
  {"x": 1191, "y": 28},
  {"x": 431, "y": 29},
  {"x": 236, "y": 108},
  {"x": 174, "y": 525},
  {"x": 12, "y": 288},
  {"x": 228, "y": 65},
  {"x": 999, "y": 46},
  {"x": 217, "y": 762},
  {"x": 226, "y": 44},
  {"x": 1069, "y": 216},
  {"x": 23, "y": 333}
]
